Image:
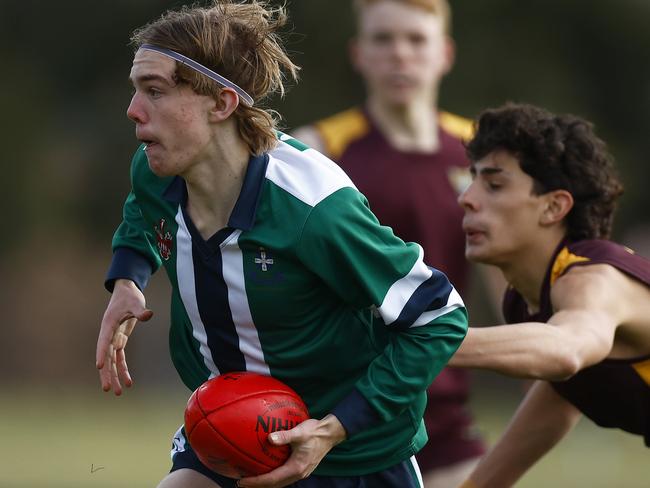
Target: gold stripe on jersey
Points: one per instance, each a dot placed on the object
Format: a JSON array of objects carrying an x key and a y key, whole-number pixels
[
  {"x": 563, "y": 260},
  {"x": 339, "y": 130},
  {"x": 643, "y": 370},
  {"x": 457, "y": 126}
]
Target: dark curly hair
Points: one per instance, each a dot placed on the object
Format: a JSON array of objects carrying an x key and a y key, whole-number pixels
[{"x": 558, "y": 152}]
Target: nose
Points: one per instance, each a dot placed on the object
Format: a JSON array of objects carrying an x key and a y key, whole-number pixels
[
  {"x": 136, "y": 111},
  {"x": 400, "y": 49},
  {"x": 466, "y": 199}
]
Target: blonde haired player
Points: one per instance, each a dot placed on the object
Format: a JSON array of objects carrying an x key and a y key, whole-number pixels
[{"x": 276, "y": 263}]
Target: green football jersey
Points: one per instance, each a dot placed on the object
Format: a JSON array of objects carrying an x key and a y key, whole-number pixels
[{"x": 304, "y": 285}]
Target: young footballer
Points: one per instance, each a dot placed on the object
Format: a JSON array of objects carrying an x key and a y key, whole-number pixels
[
  {"x": 277, "y": 265},
  {"x": 540, "y": 208}
]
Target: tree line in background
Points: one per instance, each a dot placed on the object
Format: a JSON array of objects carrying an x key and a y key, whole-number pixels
[{"x": 67, "y": 142}]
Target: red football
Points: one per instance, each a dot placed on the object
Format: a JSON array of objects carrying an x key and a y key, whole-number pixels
[{"x": 228, "y": 419}]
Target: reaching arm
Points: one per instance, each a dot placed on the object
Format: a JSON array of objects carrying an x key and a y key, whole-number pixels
[
  {"x": 590, "y": 303},
  {"x": 541, "y": 421}
]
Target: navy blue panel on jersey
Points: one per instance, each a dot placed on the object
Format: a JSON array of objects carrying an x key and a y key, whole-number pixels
[
  {"x": 432, "y": 294},
  {"x": 212, "y": 299},
  {"x": 243, "y": 215}
]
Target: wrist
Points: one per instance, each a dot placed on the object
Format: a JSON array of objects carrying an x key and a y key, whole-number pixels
[
  {"x": 333, "y": 429},
  {"x": 124, "y": 283}
]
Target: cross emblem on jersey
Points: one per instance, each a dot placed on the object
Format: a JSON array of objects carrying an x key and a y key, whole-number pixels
[{"x": 264, "y": 260}]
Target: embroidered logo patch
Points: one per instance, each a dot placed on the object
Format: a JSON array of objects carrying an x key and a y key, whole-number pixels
[
  {"x": 163, "y": 240},
  {"x": 264, "y": 260}
]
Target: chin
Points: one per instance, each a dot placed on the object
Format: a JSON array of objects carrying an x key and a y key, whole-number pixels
[
  {"x": 158, "y": 169},
  {"x": 478, "y": 254}
]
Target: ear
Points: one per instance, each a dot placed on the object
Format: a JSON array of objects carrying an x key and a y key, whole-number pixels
[
  {"x": 226, "y": 102},
  {"x": 557, "y": 205}
]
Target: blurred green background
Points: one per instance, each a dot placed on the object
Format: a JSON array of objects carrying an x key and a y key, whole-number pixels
[{"x": 66, "y": 147}]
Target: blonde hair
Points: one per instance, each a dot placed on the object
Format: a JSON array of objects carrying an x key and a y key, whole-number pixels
[
  {"x": 240, "y": 42},
  {"x": 436, "y": 7}
]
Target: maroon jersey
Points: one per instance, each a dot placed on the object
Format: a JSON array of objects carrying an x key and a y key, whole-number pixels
[
  {"x": 416, "y": 194},
  {"x": 614, "y": 392}
]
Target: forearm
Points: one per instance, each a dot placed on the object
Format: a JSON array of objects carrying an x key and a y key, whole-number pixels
[
  {"x": 526, "y": 350},
  {"x": 541, "y": 421}
]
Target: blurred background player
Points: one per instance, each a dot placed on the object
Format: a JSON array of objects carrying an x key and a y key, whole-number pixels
[
  {"x": 407, "y": 157},
  {"x": 277, "y": 266},
  {"x": 541, "y": 208}
]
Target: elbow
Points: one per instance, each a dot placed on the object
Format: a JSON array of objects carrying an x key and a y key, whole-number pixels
[{"x": 566, "y": 364}]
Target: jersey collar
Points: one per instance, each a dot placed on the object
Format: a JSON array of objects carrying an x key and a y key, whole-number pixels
[{"x": 243, "y": 215}]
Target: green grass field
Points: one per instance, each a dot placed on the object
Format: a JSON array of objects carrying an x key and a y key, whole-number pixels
[{"x": 84, "y": 438}]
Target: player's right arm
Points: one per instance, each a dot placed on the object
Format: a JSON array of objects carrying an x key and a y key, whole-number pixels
[
  {"x": 590, "y": 303},
  {"x": 541, "y": 421},
  {"x": 134, "y": 260}
]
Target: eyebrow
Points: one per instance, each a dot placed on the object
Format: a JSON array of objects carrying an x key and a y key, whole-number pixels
[
  {"x": 148, "y": 77},
  {"x": 485, "y": 170}
]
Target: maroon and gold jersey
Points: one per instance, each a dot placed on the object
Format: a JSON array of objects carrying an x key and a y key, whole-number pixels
[
  {"x": 614, "y": 392},
  {"x": 416, "y": 194}
]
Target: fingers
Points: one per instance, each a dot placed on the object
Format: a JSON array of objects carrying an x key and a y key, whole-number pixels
[
  {"x": 279, "y": 477},
  {"x": 122, "y": 368},
  {"x": 105, "y": 371}
]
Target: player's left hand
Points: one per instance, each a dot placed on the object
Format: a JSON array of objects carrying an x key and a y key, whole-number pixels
[{"x": 310, "y": 441}]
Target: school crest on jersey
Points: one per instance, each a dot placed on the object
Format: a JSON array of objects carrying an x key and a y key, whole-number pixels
[{"x": 164, "y": 240}]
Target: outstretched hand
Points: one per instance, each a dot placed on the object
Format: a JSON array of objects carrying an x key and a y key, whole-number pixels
[
  {"x": 310, "y": 441},
  {"x": 125, "y": 308}
]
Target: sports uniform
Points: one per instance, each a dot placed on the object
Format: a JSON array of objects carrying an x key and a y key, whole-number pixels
[
  {"x": 614, "y": 392},
  {"x": 416, "y": 194},
  {"x": 306, "y": 286}
]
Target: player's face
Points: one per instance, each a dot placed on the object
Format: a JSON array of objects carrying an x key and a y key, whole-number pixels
[
  {"x": 170, "y": 118},
  {"x": 401, "y": 51},
  {"x": 502, "y": 214}
]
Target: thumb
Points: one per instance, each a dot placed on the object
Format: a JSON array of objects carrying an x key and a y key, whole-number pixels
[
  {"x": 145, "y": 315},
  {"x": 280, "y": 437}
]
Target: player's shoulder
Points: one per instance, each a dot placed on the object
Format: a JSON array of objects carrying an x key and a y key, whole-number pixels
[
  {"x": 455, "y": 125},
  {"x": 304, "y": 172},
  {"x": 338, "y": 131}
]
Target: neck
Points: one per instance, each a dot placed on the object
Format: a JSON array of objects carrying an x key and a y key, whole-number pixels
[
  {"x": 411, "y": 127},
  {"x": 526, "y": 272},
  {"x": 214, "y": 184}
]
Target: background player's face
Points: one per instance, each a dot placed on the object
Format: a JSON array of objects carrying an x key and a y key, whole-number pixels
[
  {"x": 169, "y": 117},
  {"x": 401, "y": 51},
  {"x": 502, "y": 214}
]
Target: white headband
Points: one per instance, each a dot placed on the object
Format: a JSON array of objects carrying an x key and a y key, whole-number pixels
[{"x": 246, "y": 98}]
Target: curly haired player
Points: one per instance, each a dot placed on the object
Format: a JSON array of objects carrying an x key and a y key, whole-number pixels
[{"x": 540, "y": 208}]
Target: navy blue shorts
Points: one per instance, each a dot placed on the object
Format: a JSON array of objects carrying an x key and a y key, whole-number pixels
[{"x": 403, "y": 475}]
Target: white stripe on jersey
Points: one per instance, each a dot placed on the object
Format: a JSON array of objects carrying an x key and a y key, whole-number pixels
[
  {"x": 293, "y": 171},
  {"x": 416, "y": 468},
  {"x": 454, "y": 302},
  {"x": 187, "y": 290},
  {"x": 233, "y": 274},
  {"x": 400, "y": 292}
]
